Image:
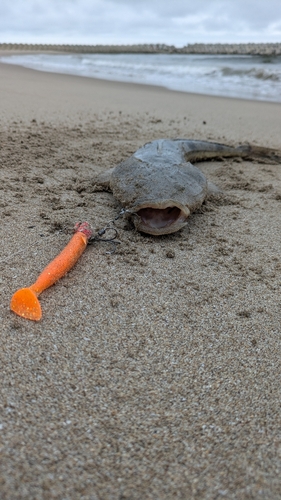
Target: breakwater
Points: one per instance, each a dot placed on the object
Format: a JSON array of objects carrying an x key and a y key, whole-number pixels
[{"x": 266, "y": 49}]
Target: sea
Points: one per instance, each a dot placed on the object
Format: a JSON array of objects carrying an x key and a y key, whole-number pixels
[{"x": 241, "y": 76}]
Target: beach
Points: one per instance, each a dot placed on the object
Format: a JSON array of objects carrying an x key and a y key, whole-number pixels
[{"x": 155, "y": 370}]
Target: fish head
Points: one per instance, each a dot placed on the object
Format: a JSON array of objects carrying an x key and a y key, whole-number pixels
[{"x": 158, "y": 195}]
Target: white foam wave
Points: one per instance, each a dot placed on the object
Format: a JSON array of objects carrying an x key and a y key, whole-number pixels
[{"x": 250, "y": 77}]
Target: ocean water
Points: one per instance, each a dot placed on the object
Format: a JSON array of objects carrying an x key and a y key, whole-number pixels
[{"x": 248, "y": 77}]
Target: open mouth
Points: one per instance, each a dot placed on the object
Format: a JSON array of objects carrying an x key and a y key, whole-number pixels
[{"x": 159, "y": 217}]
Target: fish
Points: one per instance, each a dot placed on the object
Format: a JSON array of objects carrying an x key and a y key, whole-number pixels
[{"x": 159, "y": 187}]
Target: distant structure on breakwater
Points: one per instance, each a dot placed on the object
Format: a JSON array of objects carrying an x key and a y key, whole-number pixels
[{"x": 264, "y": 49}]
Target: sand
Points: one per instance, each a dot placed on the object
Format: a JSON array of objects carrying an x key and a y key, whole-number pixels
[{"x": 155, "y": 371}]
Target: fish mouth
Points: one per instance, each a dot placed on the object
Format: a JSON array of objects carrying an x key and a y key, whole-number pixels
[{"x": 160, "y": 218}]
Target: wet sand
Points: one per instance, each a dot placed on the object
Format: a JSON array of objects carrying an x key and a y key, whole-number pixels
[{"x": 155, "y": 371}]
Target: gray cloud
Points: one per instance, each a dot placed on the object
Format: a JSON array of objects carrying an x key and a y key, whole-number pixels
[{"x": 144, "y": 21}]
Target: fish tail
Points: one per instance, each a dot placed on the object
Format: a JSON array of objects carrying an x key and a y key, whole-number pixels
[{"x": 248, "y": 151}]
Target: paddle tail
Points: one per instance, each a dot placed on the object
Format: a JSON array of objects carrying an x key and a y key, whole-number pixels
[{"x": 25, "y": 302}]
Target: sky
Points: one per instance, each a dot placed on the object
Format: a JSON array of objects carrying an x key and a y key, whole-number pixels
[{"x": 173, "y": 22}]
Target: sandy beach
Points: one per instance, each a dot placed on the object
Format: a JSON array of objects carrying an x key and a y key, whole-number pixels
[{"x": 155, "y": 371}]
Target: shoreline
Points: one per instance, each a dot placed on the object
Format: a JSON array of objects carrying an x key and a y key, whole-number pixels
[
  {"x": 264, "y": 49},
  {"x": 254, "y": 88},
  {"x": 89, "y": 96}
]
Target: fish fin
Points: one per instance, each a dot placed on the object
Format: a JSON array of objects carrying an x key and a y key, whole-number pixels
[
  {"x": 102, "y": 180},
  {"x": 213, "y": 189}
]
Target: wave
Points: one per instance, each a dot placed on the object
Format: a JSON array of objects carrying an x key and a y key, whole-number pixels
[
  {"x": 260, "y": 74},
  {"x": 249, "y": 77}
]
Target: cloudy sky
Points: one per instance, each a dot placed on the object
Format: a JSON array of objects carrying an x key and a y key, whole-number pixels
[{"x": 176, "y": 22}]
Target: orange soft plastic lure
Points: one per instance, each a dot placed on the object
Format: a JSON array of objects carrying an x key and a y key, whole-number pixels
[{"x": 25, "y": 302}]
